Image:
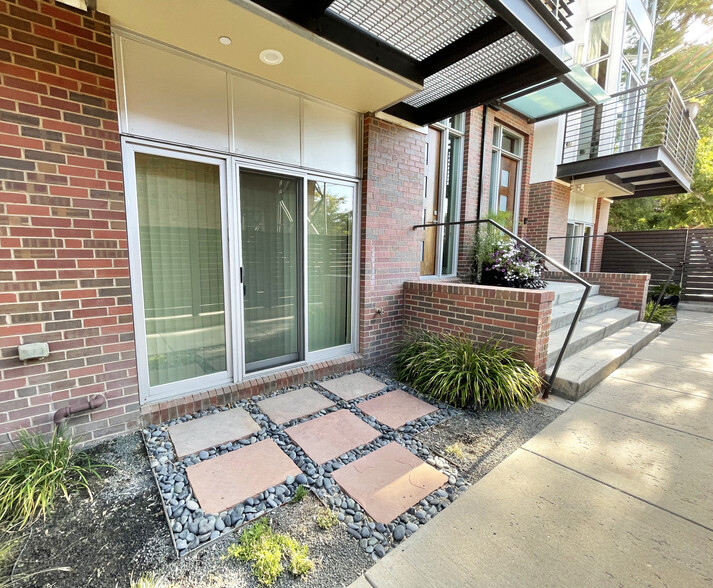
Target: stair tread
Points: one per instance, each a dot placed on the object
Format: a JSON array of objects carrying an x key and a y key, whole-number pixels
[
  {"x": 583, "y": 370},
  {"x": 590, "y": 326},
  {"x": 562, "y": 314},
  {"x": 568, "y": 291}
]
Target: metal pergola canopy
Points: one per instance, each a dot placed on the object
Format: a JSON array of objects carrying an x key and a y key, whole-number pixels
[{"x": 464, "y": 53}]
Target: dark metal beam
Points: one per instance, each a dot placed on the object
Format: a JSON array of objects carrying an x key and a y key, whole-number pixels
[
  {"x": 528, "y": 73},
  {"x": 340, "y": 31},
  {"x": 668, "y": 189},
  {"x": 493, "y": 30},
  {"x": 645, "y": 178}
]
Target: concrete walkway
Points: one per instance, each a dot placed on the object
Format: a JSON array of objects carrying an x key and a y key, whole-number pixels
[{"x": 618, "y": 491}]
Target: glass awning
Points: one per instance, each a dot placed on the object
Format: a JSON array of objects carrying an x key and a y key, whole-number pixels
[{"x": 571, "y": 91}]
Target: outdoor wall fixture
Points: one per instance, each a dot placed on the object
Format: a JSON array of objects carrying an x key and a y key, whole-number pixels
[
  {"x": 225, "y": 40},
  {"x": 271, "y": 57}
]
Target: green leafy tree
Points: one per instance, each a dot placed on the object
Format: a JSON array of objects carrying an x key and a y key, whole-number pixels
[{"x": 691, "y": 67}]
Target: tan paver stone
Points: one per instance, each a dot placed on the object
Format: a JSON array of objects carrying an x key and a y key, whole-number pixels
[
  {"x": 222, "y": 482},
  {"x": 294, "y": 405},
  {"x": 396, "y": 408},
  {"x": 328, "y": 436},
  {"x": 211, "y": 430},
  {"x": 388, "y": 481},
  {"x": 353, "y": 386}
]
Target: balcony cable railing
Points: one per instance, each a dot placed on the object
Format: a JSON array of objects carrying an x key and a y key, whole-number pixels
[
  {"x": 587, "y": 286},
  {"x": 671, "y": 271},
  {"x": 646, "y": 116}
]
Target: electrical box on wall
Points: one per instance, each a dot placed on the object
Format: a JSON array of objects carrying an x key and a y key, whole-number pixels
[{"x": 33, "y": 351}]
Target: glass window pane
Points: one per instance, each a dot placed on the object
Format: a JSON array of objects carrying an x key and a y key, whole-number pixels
[
  {"x": 182, "y": 267},
  {"x": 454, "y": 155},
  {"x": 270, "y": 229},
  {"x": 599, "y": 72},
  {"x": 329, "y": 242},
  {"x": 457, "y": 122},
  {"x": 599, "y": 36},
  {"x": 632, "y": 39}
]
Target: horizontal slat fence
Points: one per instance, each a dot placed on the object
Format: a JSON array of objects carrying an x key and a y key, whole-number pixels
[{"x": 688, "y": 251}]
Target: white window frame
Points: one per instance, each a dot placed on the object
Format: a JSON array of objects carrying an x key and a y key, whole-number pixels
[
  {"x": 230, "y": 166},
  {"x": 624, "y": 62},
  {"x": 446, "y": 131},
  {"x": 585, "y": 61},
  {"x": 497, "y": 152}
]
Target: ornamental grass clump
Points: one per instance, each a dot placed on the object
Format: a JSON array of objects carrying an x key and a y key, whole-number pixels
[
  {"x": 452, "y": 369},
  {"x": 36, "y": 472},
  {"x": 663, "y": 315}
]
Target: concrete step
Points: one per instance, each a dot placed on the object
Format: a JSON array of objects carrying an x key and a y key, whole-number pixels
[
  {"x": 562, "y": 314},
  {"x": 567, "y": 292},
  {"x": 582, "y": 371},
  {"x": 589, "y": 331}
]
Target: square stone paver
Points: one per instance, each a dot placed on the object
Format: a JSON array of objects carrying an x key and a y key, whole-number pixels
[
  {"x": 353, "y": 386},
  {"x": 328, "y": 436},
  {"x": 396, "y": 408},
  {"x": 294, "y": 405},
  {"x": 211, "y": 430},
  {"x": 388, "y": 481},
  {"x": 222, "y": 482}
]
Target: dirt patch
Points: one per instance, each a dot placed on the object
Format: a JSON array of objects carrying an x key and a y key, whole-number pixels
[
  {"x": 337, "y": 556},
  {"x": 120, "y": 533},
  {"x": 476, "y": 442}
]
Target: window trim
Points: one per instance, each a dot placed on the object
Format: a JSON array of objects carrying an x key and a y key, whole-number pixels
[
  {"x": 586, "y": 63},
  {"x": 497, "y": 148},
  {"x": 230, "y": 166}
]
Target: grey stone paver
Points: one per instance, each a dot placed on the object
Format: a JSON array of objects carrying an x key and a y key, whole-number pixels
[
  {"x": 616, "y": 492},
  {"x": 283, "y": 408},
  {"x": 353, "y": 386},
  {"x": 211, "y": 431}
]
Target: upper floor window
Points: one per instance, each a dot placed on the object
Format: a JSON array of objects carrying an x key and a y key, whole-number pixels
[
  {"x": 599, "y": 46},
  {"x": 635, "y": 57}
]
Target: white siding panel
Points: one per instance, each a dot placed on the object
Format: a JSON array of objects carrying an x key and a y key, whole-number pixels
[
  {"x": 330, "y": 139},
  {"x": 266, "y": 122},
  {"x": 173, "y": 98}
]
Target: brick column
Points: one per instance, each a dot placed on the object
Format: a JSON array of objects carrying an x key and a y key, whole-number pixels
[
  {"x": 601, "y": 223},
  {"x": 64, "y": 276},
  {"x": 547, "y": 217},
  {"x": 392, "y": 202}
]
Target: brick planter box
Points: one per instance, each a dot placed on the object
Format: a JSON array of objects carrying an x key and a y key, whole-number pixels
[
  {"x": 631, "y": 289},
  {"x": 515, "y": 316}
]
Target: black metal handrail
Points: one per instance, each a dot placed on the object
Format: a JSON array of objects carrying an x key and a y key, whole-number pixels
[
  {"x": 587, "y": 286},
  {"x": 646, "y": 255},
  {"x": 645, "y": 116}
]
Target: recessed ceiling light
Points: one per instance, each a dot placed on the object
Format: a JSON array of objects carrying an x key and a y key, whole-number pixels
[
  {"x": 225, "y": 40},
  {"x": 271, "y": 57}
]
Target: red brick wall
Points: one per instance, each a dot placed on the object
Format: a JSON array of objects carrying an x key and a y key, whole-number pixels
[
  {"x": 392, "y": 196},
  {"x": 601, "y": 224},
  {"x": 515, "y": 316},
  {"x": 631, "y": 289},
  {"x": 470, "y": 186},
  {"x": 64, "y": 275},
  {"x": 547, "y": 217}
]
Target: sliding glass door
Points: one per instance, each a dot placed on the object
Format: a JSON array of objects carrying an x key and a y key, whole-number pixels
[
  {"x": 272, "y": 269},
  {"x": 180, "y": 237}
]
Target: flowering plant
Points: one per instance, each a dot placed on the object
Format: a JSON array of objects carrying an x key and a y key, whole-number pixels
[{"x": 512, "y": 265}]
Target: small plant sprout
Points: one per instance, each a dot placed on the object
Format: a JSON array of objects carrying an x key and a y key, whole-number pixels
[
  {"x": 300, "y": 493},
  {"x": 326, "y": 518},
  {"x": 150, "y": 580},
  {"x": 267, "y": 550},
  {"x": 455, "y": 450}
]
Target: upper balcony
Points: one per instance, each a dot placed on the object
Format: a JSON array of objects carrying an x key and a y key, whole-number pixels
[{"x": 641, "y": 142}]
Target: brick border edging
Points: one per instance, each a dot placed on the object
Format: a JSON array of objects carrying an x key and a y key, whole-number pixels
[
  {"x": 631, "y": 289},
  {"x": 165, "y": 410}
]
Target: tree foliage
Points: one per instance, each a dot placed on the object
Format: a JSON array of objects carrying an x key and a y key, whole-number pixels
[{"x": 691, "y": 67}]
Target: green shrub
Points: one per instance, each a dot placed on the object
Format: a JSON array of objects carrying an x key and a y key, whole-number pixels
[
  {"x": 34, "y": 474},
  {"x": 452, "y": 369},
  {"x": 326, "y": 518},
  {"x": 266, "y": 550},
  {"x": 663, "y": 315},
  {"x": 671, "y": 290}
]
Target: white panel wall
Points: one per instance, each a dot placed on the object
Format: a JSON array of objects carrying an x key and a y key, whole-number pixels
[
  {"x": 173, "y": 98},
  {"x": 180, "y": 99},
  {"x": 330, "y": 138},
  {"x": 266, "y": 122},
  {"x": 581, "y": 208}
]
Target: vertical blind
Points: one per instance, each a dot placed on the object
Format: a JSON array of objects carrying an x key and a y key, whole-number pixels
[
  {"x": 182, "y": 267},
  {"x": 329, "y": 242}
]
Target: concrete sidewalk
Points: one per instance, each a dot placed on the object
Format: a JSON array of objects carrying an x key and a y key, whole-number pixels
[{"x": 618, "y": 491}]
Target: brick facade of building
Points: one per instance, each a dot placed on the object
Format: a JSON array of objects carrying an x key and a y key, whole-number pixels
[
  {"x": 512, "y": 316},
  {"x": 547, "y": 217},
  {"x": 64, "y": 276}
]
